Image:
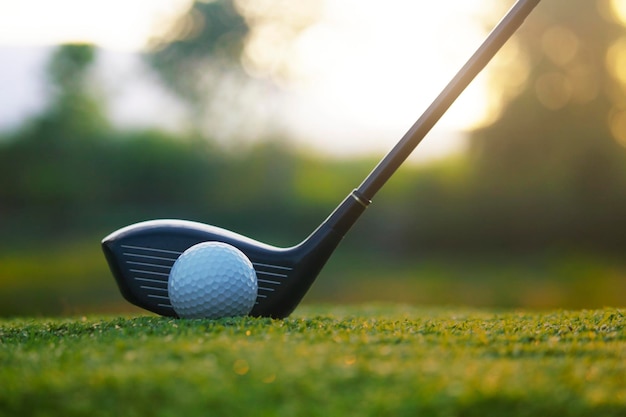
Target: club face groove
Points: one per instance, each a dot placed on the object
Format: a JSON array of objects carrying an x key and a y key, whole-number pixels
[{"x": 148, "y": 269}]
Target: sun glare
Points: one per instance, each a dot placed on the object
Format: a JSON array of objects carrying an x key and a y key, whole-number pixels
[
  {"x": 619, "y": 9},
  {"x": 398, "y": 59},
  {"x": 376, "y": 69}
]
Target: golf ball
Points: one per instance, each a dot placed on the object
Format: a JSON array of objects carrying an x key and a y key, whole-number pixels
[{"x": 212, "y": 280}]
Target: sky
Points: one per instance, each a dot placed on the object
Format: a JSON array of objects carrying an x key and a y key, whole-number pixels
[
  {"x": 365, "y": 73},
  {"x": 116, "y": 24}
]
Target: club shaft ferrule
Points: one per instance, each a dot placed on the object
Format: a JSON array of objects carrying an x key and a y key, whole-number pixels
[{"x": 360, "y": 199}]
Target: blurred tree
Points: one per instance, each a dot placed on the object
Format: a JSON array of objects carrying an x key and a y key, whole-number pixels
[
  {"x": 221, "y": 57},
  {"x": 75, "y": 111},
  {"x": 205, "y": 42},
  {"x": 51, "y": 158},
  {"x": 552, "y": 167}
]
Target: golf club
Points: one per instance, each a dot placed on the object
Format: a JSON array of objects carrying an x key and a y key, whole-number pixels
[{"x": 141, "y": 255}]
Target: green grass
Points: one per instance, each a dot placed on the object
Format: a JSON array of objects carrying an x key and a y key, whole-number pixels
[{"x": 368, "y": 360}]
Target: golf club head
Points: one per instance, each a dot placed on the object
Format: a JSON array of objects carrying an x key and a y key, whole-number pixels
[{"x": 141, "y": 257}]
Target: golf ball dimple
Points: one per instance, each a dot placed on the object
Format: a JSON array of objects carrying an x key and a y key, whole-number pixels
[{"x": 212, "y": 280}]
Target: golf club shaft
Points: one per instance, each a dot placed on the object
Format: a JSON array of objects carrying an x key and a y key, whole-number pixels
[{"x": 498, "y": 36}]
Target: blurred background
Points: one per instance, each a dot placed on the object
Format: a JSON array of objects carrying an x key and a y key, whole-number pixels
[{"x": 260, "y": 116}]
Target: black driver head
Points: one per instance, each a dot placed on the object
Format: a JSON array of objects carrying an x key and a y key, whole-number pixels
[{"x": 142, "y": 255}]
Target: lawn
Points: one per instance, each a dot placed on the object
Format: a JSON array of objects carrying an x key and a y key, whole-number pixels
[{"x": 365, "y": 360}]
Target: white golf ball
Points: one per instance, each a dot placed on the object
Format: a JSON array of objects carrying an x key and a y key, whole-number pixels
[{"x": 212, "y": 280}]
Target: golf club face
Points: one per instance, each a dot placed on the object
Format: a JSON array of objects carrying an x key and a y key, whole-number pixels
[{"x": 142, "y": 255}]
